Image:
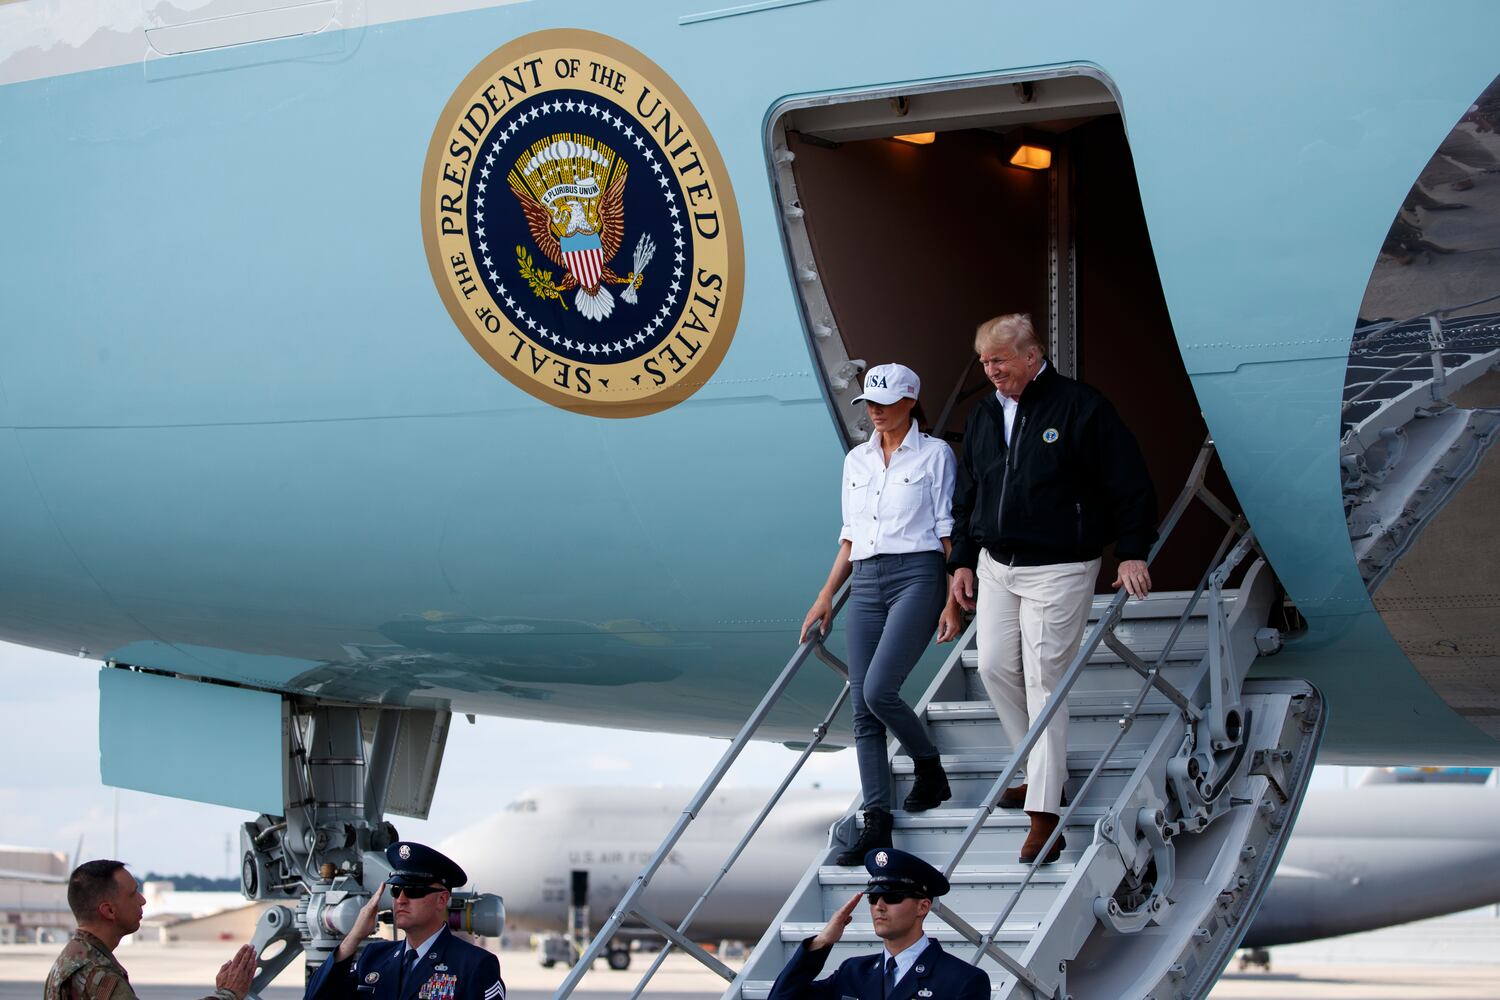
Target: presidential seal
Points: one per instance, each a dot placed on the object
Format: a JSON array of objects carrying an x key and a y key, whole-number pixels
[{"x": 580, "y": 226}]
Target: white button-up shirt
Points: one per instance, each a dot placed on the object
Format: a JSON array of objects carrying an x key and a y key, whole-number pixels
[
  {"x": 904, "y": 507},
  {"x": 906, "y": 958}
]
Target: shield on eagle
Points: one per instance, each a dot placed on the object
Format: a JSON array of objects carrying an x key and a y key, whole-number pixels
[{"x": 572, "y": 190}]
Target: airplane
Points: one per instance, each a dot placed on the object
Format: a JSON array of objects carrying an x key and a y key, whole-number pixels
[
  {"x": 368, "y": 362},
  {"x": 1377, "y": 855}
]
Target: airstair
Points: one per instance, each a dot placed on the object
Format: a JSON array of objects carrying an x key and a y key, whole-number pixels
[{"x": 1184, "y": 782}]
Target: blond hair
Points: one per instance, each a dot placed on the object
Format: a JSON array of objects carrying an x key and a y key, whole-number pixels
[{"x": 1013, "y": 330}]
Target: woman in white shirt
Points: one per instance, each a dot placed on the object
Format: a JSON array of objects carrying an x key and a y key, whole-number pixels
[{"x": 897, "y": 503}]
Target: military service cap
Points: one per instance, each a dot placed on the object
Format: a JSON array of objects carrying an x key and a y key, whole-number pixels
[
  {"x": 896, "y": 871},
  {"x": 418, "y": 864}
]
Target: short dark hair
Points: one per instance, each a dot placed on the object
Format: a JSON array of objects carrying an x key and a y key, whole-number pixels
[{"x": 91, "y": 884}]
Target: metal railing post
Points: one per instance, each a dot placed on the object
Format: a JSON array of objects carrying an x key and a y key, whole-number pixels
[
  {"x": 1103, "y": 631},
  {"x": 629, "y": 902}
]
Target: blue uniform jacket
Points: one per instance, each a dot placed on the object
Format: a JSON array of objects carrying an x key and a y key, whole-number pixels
[
  {"x": 451, "y": 970},
  {"x": 937, "y": 975}
]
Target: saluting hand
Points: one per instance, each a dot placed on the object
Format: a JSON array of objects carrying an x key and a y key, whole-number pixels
[
  {"x": 236, "y": 974},
  {"x": 834, "y": 929},
  {"x": 364, "y": 926},
  {"x": 1135, "y": 578}
]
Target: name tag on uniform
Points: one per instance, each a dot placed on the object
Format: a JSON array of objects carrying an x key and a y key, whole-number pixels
[{"x": 439, "y": 987}]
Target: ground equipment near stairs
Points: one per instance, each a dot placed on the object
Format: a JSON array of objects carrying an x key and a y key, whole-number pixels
[{"x": 1184, "y": 783}]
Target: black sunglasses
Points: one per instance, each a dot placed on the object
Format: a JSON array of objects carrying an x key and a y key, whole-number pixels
[
  {"x": 891, "y": 898},
  {"x": 413, "y": 891}
]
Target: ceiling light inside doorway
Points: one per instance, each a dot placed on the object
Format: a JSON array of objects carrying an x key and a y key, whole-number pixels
[
  {"x": 1032, "y": 157},
  {"x": 916, "y": 138}
]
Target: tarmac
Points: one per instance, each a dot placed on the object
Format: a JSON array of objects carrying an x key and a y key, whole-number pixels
[{"x": 1444, "y": 959}]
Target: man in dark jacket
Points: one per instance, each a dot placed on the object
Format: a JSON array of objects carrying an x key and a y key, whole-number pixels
[
  {"x": 1049, "y": 475},
  {"x": 911, "y": 965}
]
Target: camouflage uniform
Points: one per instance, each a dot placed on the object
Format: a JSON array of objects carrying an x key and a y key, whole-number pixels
[{"x": 86, "y": 970}]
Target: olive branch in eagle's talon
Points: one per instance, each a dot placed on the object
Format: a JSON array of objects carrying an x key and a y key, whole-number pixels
[{"x": 540, "y": 281}]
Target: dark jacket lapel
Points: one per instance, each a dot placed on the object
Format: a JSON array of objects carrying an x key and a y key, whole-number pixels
[
  {"x": 871, "y": 983},
  {"x": 387, "y": 967}
]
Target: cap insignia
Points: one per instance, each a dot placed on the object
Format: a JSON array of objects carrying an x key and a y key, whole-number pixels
[
  {"x": 404, "y": 852},
  {"x": 881, "y": 859}
]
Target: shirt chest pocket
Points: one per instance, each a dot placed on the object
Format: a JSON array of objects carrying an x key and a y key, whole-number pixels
[
  {"x": 860, "y": 491},
  {"x": 907, "y": 491}
]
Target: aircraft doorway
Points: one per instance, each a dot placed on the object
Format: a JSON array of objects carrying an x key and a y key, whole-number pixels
[{"x": 908, "y": 222}]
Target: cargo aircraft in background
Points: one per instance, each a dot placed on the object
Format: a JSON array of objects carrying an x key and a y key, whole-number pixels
[
  {"x": 1351, "y": 865},
  {"x": 367, "y": 362}
]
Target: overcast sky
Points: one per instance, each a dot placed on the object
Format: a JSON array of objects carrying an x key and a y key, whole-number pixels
[{"x": 50, "y": 793}]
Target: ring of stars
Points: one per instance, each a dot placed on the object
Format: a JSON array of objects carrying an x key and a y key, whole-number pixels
[{"x": 594, "y": 109}]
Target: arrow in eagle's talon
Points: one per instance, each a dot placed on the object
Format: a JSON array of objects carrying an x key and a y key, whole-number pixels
[{"x": 645, "y": 249}]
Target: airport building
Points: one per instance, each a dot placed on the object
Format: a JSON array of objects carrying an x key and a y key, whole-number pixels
[{"x": 33, "y": 895}]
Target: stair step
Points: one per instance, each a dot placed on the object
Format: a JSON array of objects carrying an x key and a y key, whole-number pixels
[
  {"x": 980, "y": 893},
  {"x": 974, "y": 728},
  {"x": 1164, "y": 605},
  {"x": 1106, "y": 706},
  {"x": 1101, "y": 679},
  {"x": 932, "y": 835},
  {"x": 1012, "y": 935},
  {"x": 837, "y": 876},
  {"x": 1080, "y": 760},
  {"x": 863, "y": 941},
  {"x": 971, "y": 775},
  {"x": 761, "y": 988}
]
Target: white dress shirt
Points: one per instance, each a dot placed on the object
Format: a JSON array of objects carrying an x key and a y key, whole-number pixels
[
  {"x": 422, "y": 949},
  {"x": 907, "y": 958},
  {"x": 1010, "y": 406},
  {"x": 904, "y": 507}
]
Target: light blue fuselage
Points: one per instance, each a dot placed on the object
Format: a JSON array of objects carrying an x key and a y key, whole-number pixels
[{"x": 241, "y": 438}]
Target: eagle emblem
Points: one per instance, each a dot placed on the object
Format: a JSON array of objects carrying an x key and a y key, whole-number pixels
[{"x": 572, "y": 190}]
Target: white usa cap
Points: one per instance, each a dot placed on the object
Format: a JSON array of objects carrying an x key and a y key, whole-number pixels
[{"x": 884, "y": 384}]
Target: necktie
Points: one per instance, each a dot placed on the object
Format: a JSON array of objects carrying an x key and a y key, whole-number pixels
[
  {"x": 408, "y": 962},
  {"x": 890, "y": 975}
]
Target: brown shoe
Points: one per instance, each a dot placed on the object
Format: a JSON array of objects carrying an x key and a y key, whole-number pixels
[
  {"x": 1042, "y": 826},
  {"x": 1015, "y": 798}
]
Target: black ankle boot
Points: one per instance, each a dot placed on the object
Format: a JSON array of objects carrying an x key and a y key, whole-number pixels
[
  {"x": 931, "y": 787},
  {"x": 876, "y": 833}
]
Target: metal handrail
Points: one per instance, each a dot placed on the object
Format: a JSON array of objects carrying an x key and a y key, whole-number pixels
[
  {"x": 1104, "y": 627},
  {"x": 819, "y": 732},
  {"x": 1126, "y": 722},
  {"x": 957, "y": 393},
  {"x": 1374, "y": 330},
  {"x": 630, "y": 903}
]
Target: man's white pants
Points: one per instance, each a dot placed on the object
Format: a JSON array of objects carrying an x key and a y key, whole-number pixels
[{"x": 1030, "y": 624}]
